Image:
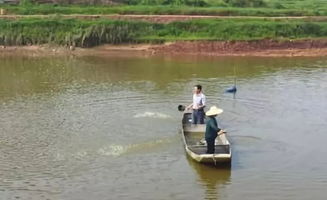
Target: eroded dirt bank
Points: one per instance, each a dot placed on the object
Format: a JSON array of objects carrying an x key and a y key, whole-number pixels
[
  {"x": 269, "y": 48},
  {"x": 247, "y": 48}
]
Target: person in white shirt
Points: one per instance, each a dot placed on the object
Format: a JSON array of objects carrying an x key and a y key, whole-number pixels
[{"x": 199, "y": 102}]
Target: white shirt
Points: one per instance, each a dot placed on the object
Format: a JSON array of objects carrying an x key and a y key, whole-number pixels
[{"x": 198, "y": 100}]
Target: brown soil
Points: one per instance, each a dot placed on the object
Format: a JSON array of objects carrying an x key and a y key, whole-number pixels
[
  {"x": 263, "y": 48},
  {"x": 247, "y": 48},
  {"x": 33, "y": 50}
]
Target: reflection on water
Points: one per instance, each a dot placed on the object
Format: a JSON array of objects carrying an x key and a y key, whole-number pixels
[
  {"x": 107, "y": 127},
  {"x": 212, "y": 178},
  {"x": 55, "y": 75}
]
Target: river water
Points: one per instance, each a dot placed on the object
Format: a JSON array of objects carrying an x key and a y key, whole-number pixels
[{"x": 108, "y": 127}]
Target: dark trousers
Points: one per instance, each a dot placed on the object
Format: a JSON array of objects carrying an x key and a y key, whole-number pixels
[
  {"x": 198, "y": 116},
  {"x": 210, "y": 145}
]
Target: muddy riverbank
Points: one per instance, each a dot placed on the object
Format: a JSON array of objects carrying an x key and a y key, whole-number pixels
[{"x": 266, "y": 48}]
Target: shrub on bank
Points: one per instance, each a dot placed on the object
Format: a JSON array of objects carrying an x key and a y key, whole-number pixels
[
  {"x": 87, "y": 33},
  {"x": 163, "y": 9}
]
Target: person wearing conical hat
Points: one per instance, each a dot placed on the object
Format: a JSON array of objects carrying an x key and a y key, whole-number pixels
[{"x": 212, "y": 129}]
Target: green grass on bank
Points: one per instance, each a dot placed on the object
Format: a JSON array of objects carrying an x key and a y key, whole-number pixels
[
  {"x": 87, "y": 33},
  {"x": 160, "y": 10}
]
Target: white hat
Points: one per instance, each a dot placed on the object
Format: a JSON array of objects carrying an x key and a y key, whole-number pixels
[{"x": 214, "y": 111}]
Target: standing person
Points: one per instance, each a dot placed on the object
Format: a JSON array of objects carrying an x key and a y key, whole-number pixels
[
  {"x": 199, "y": 102},
  {"x": 212, "y": 130}
]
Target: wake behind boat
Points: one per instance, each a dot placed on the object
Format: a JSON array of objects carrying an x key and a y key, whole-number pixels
[{"x": 196, "y": 147}]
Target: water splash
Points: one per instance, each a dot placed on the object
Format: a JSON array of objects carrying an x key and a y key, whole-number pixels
[
  {"x": 112, "y": 150},
  {"x": 156, "y": 115},
  {"x": 118, "y": 150}
]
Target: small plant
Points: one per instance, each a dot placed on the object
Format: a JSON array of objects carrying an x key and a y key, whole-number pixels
[
  {"x": 246, "y": 3},
  {"x": 26, "y": 3}
]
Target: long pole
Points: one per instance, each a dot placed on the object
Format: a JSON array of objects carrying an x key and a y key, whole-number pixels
[{"x": 234, "y": 76}]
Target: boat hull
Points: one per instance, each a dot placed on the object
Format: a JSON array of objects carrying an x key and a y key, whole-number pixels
[{"x": 195, "y": 145}]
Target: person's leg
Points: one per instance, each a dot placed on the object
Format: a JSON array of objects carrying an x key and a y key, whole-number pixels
[
  {"x": 195, "y": 116},
  {"x": 210, "y": 146},
  {"x": 201, "y": 116}
]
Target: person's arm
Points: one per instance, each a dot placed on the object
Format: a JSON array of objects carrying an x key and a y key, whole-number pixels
[
  {"x": 189, "y": 106},
  {"x": 214, "y": 127},
  {"x": 221, "y": 132},
  {"x": 203, "y": 101}
]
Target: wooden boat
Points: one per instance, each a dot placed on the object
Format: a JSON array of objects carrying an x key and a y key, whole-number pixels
[{"x": 196, "y": 147}]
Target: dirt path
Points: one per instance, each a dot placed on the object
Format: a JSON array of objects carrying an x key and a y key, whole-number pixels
[{"x": 159, "y": 18}]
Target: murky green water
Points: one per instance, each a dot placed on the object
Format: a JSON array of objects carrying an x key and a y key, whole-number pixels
[{"x": 108, "y": 128}]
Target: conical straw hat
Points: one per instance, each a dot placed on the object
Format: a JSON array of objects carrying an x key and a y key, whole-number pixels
[{"x": 214, "y": 111}]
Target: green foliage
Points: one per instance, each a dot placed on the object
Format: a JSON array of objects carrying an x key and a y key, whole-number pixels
[
  {"x": 199, "y": 3},
  {"x": 179, "y": 10},
  {"x": 87, "y": 33},
  {"x": 66, "y": 32},
  {"x": 311, "y": 6},
  {"x": 246, "y": 3},
  {"x": 26, "y": 3}
]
